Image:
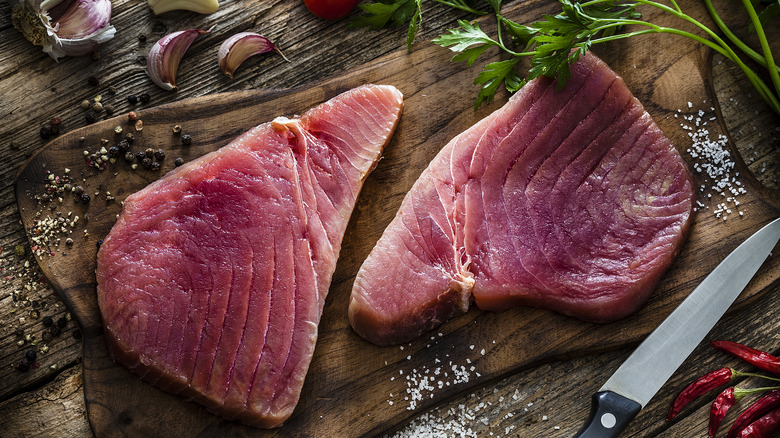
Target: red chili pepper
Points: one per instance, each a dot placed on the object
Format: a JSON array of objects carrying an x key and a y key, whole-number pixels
[
  {"x": 719, "y": 407},
  {"x": 763, "y": 405},
  {"x": 764, "y": 427},
  {"x": 759, "y": 358},
  {"x": 703, "y": 384}
]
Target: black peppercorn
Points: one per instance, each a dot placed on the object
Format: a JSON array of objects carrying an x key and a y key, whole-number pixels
[
  {"x": 123, "y": 145},
  {"x": 129, "y": 157},
  {"x": 113, "y": 151},
  {"x": 155, "y": 165},
  {"x": 47, "y": 321},
  {"x": 85, "y": 198},
  {"x": 62, "y": 322},
  {"x": 78, "y": 190},
  {"x": 93, "y": 81},
  {"x": 149, "y": 153},
  {"x": 90, "y": 118},
  {"x": 145, "y": 98},
  {"x": 147, "y": 163},
  {"x": 19, "y": 332},
  {"x": 45, "y": 132},
  {"x": 130, "y": 137},
  {"x": 31, "y": 355},
  {"x": 23, "y": 366},
  {"x": 186, "y": 139},
  {"x": 98, "y": 243},
  {"x": 159, "y": 154},
  {"x": 109, "y": 109},
  {"x": 55, "y": 331},
  {"x": 178, "y": 161},
  {"x": 142, "y": 39},
  {"x": 132, "y": 99},
  {"x": 140, "y": 155}
]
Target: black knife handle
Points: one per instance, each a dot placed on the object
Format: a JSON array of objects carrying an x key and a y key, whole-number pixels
[{"x": 610, "y": 413}]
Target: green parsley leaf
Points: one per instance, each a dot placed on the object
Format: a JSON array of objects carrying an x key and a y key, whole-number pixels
[{"x": 493, "y": 75}]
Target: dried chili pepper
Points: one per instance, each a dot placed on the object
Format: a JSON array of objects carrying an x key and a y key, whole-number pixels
[
  {"x": 764, "y": 427},
  {"x": 702, "y": 385},
  {"x": 759, "y": 358},
  {"x": 763, "y": 405},
  {"x": 719, "y": 408}
]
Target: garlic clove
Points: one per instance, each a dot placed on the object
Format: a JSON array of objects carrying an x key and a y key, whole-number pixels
[
  {"x": 64, "y": 27},
  {"x": 163, "y": 59},
  {"x": 199, "y": 6},
  {"x": 236, "y": 49}
]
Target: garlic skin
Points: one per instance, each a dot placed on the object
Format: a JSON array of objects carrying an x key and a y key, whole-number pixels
[
  {"x": 236, "y": 49},
  {"x": 163, "y": 59},
  {"x": 64, "y": 27},
  {"x": 199, "y": 6}
]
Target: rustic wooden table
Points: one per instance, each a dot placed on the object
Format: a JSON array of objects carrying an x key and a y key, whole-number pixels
[{"x": 549, "y": 399}]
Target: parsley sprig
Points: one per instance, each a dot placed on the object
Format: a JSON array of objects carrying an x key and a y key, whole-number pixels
[{"x": 556, "y": 41}]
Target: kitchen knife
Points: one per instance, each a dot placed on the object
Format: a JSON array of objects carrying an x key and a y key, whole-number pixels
[{"x": 644, "y": 372}]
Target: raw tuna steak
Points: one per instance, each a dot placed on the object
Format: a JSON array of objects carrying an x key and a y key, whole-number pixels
[
  {"x": 212, "y": 282},
  {"x": 571, "y": 200}
]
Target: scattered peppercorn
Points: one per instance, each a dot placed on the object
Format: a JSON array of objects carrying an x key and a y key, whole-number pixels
[
  {"x": 90, "y": 118},
  {"x": 47, "y": 321},
  {"x": 23, "y": 366},
  {"x": 112, "y": 89},
  {"x": 118, "y": 130},
  {"x": 123, "y": 145},
  {"x": 145, "y": 98},
  {"x": 55, "y": 121},
  {"x": 93, "y": 81},
  {"x": 113, "y": 151},
  {"x": 97, "y": 107},
  {"x": 130, "y": 137},
  {"x": 178, "y": 161},
  {"x": 186, "y": 139},
  {"x": 156, "y": 165},
  {"x": 69, "y": 242},
  {"x": 98, "y": 243},
  {"x": 147, "y": 163},
  {"x": 109, "y": 109},
  {"x": 35, "y": 314},
  {"x": 85, "y": 198},
  {"x": 139, "y": 125},
  {"x": 55, "y": 331},
  {"x": 98, "y": 98},
  {"x": 132, "y": 99},
  {"x": 159, "y": 154},
  {"x": 140, "y": 155},
  {"x": 62, "y": 322},
  {"x": 142, "y": 39},
  {"x": 78, "y": 190},
  {"x": 129, "y": 157},
  {"x": 45, "y": 132},
  {"x": 19, "y": 331},
  {"x": 176, "y": 129},
  {"x": 85, "y": 104},
  {"x": 149, "y": 153},
  {"x": 31, "y": 355},
  {"x": 132, "y": 115}
]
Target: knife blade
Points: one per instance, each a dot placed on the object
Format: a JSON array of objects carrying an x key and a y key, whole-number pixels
[{"x": 655, "y": 360}]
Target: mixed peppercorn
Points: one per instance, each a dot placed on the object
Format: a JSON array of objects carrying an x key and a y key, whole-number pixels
[{"x": 762, "y": 418}]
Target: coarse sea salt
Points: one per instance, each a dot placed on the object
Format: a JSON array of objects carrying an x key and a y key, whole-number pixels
[{"x": 713, "y": 160}]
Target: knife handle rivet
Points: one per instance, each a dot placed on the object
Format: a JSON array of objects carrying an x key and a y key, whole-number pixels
[{"x": 608, "y": 420}]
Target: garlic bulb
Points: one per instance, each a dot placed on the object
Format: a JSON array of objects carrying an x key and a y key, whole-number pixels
[
  {"x": 199, "y": 6},
  {"x": 236, "y": 49},
  {"x": 64, "y": 27},
  {"x": 163, "y": 59}
]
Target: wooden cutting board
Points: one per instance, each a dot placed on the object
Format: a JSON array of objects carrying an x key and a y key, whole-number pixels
[{"x": 354, "y": 388}]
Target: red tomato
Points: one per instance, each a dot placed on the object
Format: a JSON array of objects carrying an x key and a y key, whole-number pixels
[{"x": 331, "y": 9}]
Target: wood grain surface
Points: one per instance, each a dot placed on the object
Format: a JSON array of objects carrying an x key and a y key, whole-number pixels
[{"x": 350, "y": 383}]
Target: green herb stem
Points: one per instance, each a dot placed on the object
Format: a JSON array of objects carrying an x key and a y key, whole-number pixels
[
  {"x": 755, "y": 56},
  {"x": 462, "y": 6},
  {"x": 764, "y": 44}
]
